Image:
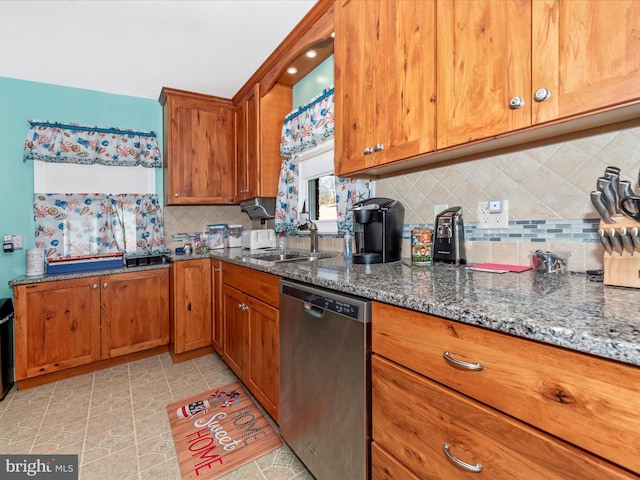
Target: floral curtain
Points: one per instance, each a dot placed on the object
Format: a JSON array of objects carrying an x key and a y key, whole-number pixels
[
  {"x": 72, "y": 225},
  {"x": 82, "y": 144},
  {"x": 305, "y": 128}
]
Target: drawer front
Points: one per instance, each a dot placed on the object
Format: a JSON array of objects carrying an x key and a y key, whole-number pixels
[
  {"x": 385, "y": 467},
  {"x": 588, "y": 401},
  {"x": 413, "y": 418},
  {"x": 260, "y": 285}
]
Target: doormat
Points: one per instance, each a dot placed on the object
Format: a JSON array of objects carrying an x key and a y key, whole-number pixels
[{"x": 218, "y": 431}]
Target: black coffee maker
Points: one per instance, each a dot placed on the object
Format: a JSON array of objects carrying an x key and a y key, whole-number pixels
[
  {"x": 448, "y": 240},
  {"x": 377, "y": 227}
]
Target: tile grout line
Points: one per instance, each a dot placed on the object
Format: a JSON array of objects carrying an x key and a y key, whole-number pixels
[
  {"x": 86, "y": 428},
  {"x": 44, "y": 416},
  {"x": 133, "y": 419}
]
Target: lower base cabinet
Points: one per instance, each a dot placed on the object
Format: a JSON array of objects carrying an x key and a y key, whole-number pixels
[
  {"x": 455, "y": 401},
  {"x": 251, "y": 332},
  {"x": 68, "y": 323}
]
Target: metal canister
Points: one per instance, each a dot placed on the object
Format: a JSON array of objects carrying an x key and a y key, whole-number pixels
[{"x": 421, "y": 245}]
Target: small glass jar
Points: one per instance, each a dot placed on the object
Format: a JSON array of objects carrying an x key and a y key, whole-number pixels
[
  {"x": 348, "y": 245},
  {"x": 215, "y": 238}
]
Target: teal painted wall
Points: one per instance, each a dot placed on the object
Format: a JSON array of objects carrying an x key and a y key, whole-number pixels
[
  {"x": 312, "y": 84},
  {"x": 21, "y": 100}
]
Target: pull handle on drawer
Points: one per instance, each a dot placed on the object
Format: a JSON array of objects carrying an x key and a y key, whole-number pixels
[
  {"x": 477, "y": 468},
  {"x": 461, "y": 364}
]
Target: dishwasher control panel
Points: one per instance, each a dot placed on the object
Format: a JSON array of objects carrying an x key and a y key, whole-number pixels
[{"x": 339, "y": 305}]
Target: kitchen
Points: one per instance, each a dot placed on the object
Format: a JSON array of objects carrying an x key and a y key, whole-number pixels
[{"x": 537, "y": 187}]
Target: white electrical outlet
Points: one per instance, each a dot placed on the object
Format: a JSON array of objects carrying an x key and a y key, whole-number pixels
[
  {"x": 17, "y": 242},
  {"x": 489, "y": 217}
]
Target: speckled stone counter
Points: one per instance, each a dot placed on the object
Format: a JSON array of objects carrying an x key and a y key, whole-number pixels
[{"x": 565, "y": 310}]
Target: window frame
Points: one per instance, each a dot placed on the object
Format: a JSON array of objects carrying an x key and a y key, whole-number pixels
[{"x": 314, "y": 163}]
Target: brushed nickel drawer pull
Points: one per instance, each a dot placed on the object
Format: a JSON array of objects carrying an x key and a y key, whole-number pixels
[
  {"x": 460, "y": 364},
  {"x": 477, "y": 468}
]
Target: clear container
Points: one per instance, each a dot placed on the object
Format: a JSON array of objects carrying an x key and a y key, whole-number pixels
[
  {"x": 549, "y": 262},
  {"x": 348, "y": 245},
  {"x": 234, "y": 236},
  {"x": 215, "y": 237}
]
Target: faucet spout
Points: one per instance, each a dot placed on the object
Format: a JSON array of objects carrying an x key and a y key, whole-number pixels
[{"x": 313, "y": 229}]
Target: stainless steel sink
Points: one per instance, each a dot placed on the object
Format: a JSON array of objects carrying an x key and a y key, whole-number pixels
[{"x": 291, "y": 257}]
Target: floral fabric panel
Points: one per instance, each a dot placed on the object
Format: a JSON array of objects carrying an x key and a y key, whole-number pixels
[
  {"x": 309, "y": 125},
  {"x": 304, "y": 128},
  {"x": 348, "y": 192},
  {"x": 72, "y": 225},
  {"x": 286, "y": 214},
  {"x": 81, "y": 144}
]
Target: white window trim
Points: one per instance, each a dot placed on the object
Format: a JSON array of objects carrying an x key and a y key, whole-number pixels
[{"x": 314, "y": 163}]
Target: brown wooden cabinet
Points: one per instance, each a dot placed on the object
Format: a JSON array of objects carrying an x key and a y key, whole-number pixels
[
  {"x": 191, "y": 316},
  {"x": 582, "y": 408},
  {"x": 251, "y": 332},
  {"x": 385, "y": 82},
  {"x": 198, "y": 148},
  {"x": 135, "y": 312},
  {"x": 258, "y": 127},
  {"x": 216, "y": 304},
  {"x": 69, "y": 323}
]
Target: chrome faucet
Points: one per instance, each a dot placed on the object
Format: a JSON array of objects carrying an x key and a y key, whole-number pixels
[{"x": 313, "y": 230}]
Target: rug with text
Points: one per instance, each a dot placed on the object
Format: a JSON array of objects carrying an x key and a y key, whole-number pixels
[{"x": 218, "y": 431}]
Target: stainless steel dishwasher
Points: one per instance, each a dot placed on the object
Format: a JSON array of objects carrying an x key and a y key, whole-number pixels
[{"x": 325, "y": 402}]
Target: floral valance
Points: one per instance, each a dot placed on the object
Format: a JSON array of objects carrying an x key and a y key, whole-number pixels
[
  {"x": 309, "y": 125},
  {"x": 72, "y": 225},
  {"x": 82, "y": 144}
]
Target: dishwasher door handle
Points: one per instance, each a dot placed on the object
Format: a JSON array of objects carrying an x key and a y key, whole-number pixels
[{"x": 312, "y": 310}]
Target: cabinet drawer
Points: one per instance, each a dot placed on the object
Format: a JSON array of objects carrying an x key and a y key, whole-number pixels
[
  {"x": 585, "y": 400},
  {"x": 385, "y": 467},
  {"x": 414, "y": 417},
  {"x": 260, "y": 285}
]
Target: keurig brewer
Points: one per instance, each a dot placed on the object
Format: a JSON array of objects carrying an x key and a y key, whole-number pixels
[
  {"x": 377, "y": 226},
  {"x": 448, "y": 241}
]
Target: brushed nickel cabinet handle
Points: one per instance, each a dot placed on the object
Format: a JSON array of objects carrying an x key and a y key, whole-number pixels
[
  {"x": 104, "y": 285},
  {"x": 368, "y": 150},
  {"x": 176, "y": 194},
  {"x": 542, "y": 95},
  {"x": 461, "y": 364},
  {"x": 378, "y": 147},
  {"x": 516, "y": 102},
  {"x": 94, "y": 286},
  {"x": 477, "y": 468}
]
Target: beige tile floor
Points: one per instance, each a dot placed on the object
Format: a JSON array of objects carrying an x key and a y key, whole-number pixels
[{"x": 116, "y": 421}]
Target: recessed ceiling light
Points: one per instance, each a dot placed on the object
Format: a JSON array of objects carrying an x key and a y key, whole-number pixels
[
  {"x": 292, "y": 70},
  {"x": 311, "y": 54}
]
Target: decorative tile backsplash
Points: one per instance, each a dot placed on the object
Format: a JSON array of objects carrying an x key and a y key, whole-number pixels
[{"x": 547, "y": 187}]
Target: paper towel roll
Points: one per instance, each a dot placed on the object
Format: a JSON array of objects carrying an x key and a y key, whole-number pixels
[{"x": 35, "y": 262}]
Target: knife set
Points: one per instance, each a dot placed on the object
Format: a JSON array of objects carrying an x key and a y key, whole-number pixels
[{"x": 619, "y": 229}]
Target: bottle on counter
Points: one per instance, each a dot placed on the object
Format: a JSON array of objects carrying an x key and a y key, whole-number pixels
[
  {"x": 282, "y": 245},
  {"x": 348, "y": 247}
]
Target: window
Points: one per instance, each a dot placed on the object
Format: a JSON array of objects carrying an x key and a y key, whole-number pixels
[{"x": 317, "y": 194}]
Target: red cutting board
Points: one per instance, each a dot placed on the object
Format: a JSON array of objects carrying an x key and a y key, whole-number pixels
[{"x": 500, "y": 266}]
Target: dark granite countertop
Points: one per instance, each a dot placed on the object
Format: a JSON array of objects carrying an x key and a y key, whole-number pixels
[{"x": 565, "y": 310}]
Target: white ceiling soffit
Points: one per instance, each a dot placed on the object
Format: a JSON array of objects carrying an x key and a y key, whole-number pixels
[{"x": 135, "y": 47}]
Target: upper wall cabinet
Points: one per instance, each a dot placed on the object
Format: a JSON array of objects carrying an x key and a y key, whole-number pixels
[
  {"x": 384, "y": 82},
  {"x": 504, "y": 66},
  {"x": 501, "y": 74},
  {"x": 258, "y": 128},
  {"x": 198, "y": 148}
]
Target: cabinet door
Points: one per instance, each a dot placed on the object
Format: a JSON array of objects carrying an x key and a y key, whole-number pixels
[
  {"x": 586, "y": 53},
  {"x": 216, "y": 304},
  {"x": 198, "y": 148},
  {"x": 235, "y": 329},
  {"x": 246, "y": 117},
  {"x": 263, "y": 368},
  {"x": 135, "y": 311},
  {"x": 57, "y": 325},
  {"x": 385, "y": 82},
  {"x": 483, "y": 63},
  {"x": 192, "y": 319}
]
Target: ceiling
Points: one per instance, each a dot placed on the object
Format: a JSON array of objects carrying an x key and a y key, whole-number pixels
[{"x": 135, "y": 47}]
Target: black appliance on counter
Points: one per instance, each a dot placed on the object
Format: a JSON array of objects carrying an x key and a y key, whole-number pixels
[
  {"x": 377, "y": 227},
  {"x": 448, "y": 240}
]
